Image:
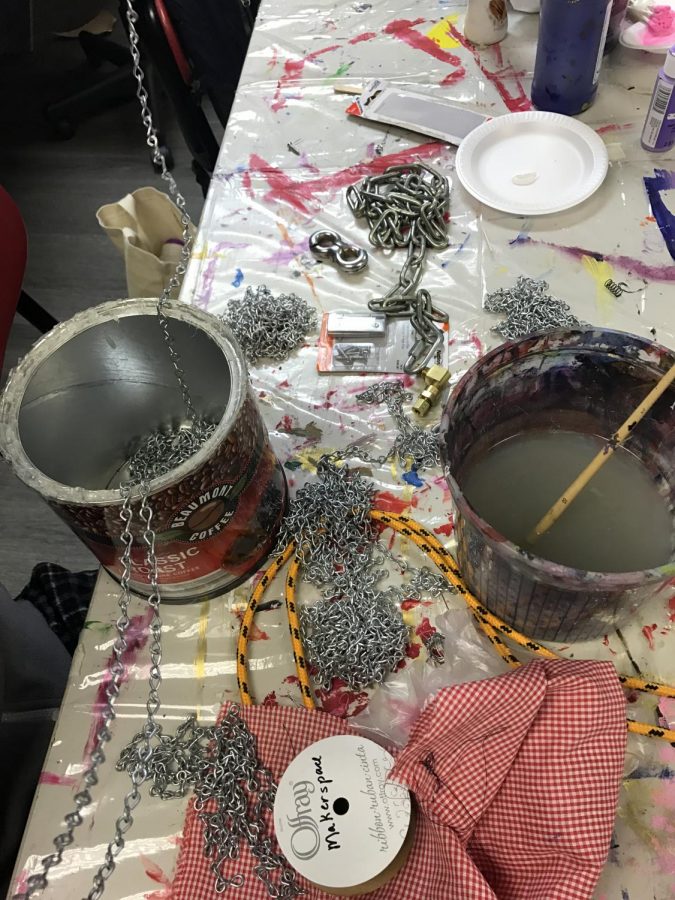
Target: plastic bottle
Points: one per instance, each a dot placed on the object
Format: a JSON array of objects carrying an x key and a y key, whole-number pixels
[
  {"x": 572, "y": 36},
  {"x": 616, "y": 18},
  {"x": 659, "y": 131},
  {"x": 486, "y": 21}
]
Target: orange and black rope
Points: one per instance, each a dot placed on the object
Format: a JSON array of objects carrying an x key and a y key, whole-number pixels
[{"x": 492, "y": 626}]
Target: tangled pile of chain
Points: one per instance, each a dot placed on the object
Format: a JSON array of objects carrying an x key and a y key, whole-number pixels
[
  {"x": 407, "y": 206},
  {"x": 355, "y": 631},
  {"x": 412, "y": 443},
  {"x": 528, "y": 307},
  {"x": 162, "y": 450},
  {"x": 269, "y": 327},
  {"x": 232, "y": 791}
]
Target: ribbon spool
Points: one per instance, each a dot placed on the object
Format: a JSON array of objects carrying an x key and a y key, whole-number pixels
[{"x": 338, "y": 821}]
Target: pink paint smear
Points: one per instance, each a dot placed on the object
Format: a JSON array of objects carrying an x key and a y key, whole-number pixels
[
  {"x": 136, "y": 638},
  {"x": 55, "y": 778},
  {"x": 405, "y": 30},
  {"x": 517, "y": 101},
  {"x": 302, "y": 194},
  {"x": 293, "y": 69},
  {"x": 627, "y": 263},
  {"x": 648, "y": 633}
]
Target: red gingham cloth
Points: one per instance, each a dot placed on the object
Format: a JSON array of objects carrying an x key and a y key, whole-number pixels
[{"x": 516, "y": 780}]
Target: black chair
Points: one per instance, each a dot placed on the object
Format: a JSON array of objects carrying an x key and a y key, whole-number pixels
[{"x": 189, "y": 49}]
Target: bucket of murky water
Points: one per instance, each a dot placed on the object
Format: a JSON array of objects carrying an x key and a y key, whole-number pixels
[
  {"x": 79, "y": 404},
  {"x": 519, "y": 427}
]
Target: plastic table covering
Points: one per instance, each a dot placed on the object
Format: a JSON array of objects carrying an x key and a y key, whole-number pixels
[{"x": 289, "y": 152}]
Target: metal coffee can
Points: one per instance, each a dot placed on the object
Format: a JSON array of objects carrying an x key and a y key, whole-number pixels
[{"x": 74, "y": 408}]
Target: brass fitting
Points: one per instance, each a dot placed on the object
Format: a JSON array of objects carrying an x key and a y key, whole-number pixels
[{"x": 435, "y": 377}]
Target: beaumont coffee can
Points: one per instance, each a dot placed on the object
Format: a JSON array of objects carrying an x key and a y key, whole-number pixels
[{"x": 75, "y": 407}]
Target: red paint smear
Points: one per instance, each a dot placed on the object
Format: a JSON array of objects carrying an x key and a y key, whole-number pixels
[
  {"x": 605, "y": 641},
  {"x": 291, "y": 679},
  {"x": 648, "y": 632},
  {"x": 293, "y": 69},
  {"x": 671, "y": 609},
  {"x": 254, "y": 633},
  {"x": 412, "y": 651},
  {"x": 605, "y": 128},
  {"x": 246, "y": 182},
  {"x": 446, "y": 529},
  {"x": 366, "y": 36},
  {"x": 53, "y": 778},
  {"x": 339, "y": 701},
  {"x": 284, "y": 384},
  {"x": 270, "y": 699},
  {"x": 633, "y": 266},
  {"x": 425, "y": 630},
  {"x": 404, "y": 30},
  {"x": 388, "y": 502},
  {"x": 136, "y": 639},
  {"x": 156, "y": 874},
  {"x": 297, "y": 194},
  {"x": 410, "y": 604},
  {"x": 519, "y": 102},
  {"x": 286, "y": 424}
]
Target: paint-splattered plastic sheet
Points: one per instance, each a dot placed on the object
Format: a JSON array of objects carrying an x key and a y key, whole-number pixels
[{"x": 289, "y": 153}]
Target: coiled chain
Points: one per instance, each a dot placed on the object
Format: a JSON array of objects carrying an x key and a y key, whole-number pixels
[
  {"x": 528, "y": 307},
  {"x": 407, "y": 206}
]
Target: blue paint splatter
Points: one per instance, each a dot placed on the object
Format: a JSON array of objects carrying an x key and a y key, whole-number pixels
[
  {"x": 523, "y": 236},
  {"x": 413, "y": 478},
  {"x": 662, "y": 772},
  {"x": 663, "y": 180},
  {"x": 238, "y": 278}
]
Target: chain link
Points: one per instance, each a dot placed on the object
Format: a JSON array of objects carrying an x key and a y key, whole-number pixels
[
  {"x": 528, "y": 307},
  {"x": 159, "y": 161},
  {"x": 269, "y": 327},
  {"x": 407, "y": 206},
  {"x": 232, "y": 791},
  {"x": 413, "y": 444},
  {"x": 355, "y": 631}
]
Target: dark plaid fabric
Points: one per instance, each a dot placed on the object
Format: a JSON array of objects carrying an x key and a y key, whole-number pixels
[{"x": 62, "y": 597}]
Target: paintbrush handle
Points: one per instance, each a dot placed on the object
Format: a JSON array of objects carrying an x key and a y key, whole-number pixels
[{"x": 598, "y": 461}]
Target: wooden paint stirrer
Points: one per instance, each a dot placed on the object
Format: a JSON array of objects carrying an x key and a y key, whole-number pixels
[{"x": 616, "y": 440}]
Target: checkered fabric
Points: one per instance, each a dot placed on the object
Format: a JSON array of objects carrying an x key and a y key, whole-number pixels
[
  {"x": 63, "y": 598},
  {"x": 516, "y": 780}
]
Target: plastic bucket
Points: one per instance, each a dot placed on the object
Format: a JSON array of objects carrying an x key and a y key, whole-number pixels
[
  {"x": 584, "y": 380},
  {"x": 87, "y": 391}
]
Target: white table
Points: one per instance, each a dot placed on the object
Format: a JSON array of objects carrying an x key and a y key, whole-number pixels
[{"x": 288, "y": 153}]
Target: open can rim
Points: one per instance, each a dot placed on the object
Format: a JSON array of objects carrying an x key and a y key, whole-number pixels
[{"x": 19, "y": 378}]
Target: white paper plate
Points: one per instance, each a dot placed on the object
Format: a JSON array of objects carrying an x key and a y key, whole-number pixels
[
  {"x": 633, "y": 38},
  {"x": 532, "y": 163}
]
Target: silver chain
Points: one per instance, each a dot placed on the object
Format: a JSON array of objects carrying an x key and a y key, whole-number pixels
[
  {"x": 406, "y": 206},
  {"x": 529, "y": 307},
  {"x": 355, "y": 631},
  {"x": 269, "y": 327},
  {"x": 158, "y": 159},
  {"x": 412, "y": 443},
  {"x": 37, "y": 883},
  {"x": 232, "y": 791}
]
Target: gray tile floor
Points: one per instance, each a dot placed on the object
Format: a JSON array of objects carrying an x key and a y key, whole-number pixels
[{"x": 59, "y": 185}]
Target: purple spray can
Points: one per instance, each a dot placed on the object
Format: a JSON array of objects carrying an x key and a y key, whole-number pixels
[{"x": 659, "y": 131}]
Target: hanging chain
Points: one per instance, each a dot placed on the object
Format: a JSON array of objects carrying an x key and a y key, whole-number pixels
[
  {"x": 158, "y": 159},
  {"x": 37, "y": 883},
  {"x": 407, "y": 206}
]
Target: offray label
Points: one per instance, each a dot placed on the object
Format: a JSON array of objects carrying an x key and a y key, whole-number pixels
[{"x": 339, "y": 822}]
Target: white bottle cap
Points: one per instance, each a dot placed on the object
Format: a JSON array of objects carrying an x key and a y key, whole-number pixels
[{"x": 669, "y": 64}]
